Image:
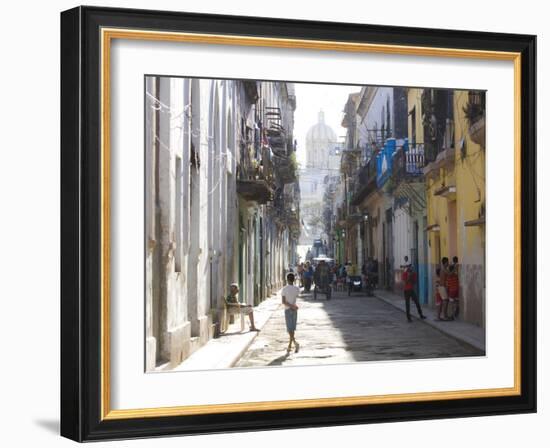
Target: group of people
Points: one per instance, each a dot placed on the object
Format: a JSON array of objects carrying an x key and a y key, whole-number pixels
[
  {"x": 446, "y": 291},
  {"x": 339, "y": 273},
  {"x": 321, "y": 274},
  {"x": 343, "y": 272},
  {"x": 305, "y": 275}
]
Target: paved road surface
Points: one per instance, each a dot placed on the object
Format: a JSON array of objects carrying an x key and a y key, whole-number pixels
[{"x": 349, "y": 329}]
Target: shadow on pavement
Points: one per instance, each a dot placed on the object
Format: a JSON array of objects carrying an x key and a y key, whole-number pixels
[
  {"x": 366, "y": 328},
  {"x": 278, "y": 361}
]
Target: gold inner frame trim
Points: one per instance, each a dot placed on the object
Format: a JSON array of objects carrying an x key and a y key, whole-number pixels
[{"x": 107, "y": 35}]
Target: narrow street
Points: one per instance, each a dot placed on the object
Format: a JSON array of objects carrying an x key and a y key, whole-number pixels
[
  {"x": 383, "y": 183},
  {"x": 349, "y": 329}
]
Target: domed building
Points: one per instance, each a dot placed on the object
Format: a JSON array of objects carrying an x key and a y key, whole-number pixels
[
  {"x": 322, "y": 160},
  {"x": 320, "y": 143}
]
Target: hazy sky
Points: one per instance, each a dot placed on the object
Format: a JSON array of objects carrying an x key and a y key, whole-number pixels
[{"x": 310, "y": 99}]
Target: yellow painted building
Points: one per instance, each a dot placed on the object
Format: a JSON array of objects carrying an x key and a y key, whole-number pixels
[
  {"x": 414, "y": 104},
  {"x": 455, "y": 192}
]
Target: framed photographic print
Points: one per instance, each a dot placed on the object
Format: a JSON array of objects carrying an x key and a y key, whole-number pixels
[{"x": 273, "y": 223}]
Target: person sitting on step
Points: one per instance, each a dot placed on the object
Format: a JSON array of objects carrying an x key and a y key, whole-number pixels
[{"x": 232, "y": 300}]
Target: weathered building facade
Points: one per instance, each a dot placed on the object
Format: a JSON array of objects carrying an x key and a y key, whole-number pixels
[
  {"x": 455, "y": 189},
  {"x": 216, "y": 208},
  {"x": 413, "y": 185},
  {"x": 378, "y": 127}
]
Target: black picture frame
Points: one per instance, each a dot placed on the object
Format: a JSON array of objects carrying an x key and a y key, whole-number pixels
[{"x": 81, "y": 224}]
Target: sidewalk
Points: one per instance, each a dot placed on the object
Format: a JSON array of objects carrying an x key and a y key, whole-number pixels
[
  {"x": 224, "y": 352},
  {"x": 463, "y": 331}
]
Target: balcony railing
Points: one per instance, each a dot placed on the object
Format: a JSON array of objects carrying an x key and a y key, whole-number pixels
[
  {"x": 367, "y": 172},
  {"x": 408, "y": 161},
  {"x": 285, "y": 169},
  {"x": 254, "y": 190},
  {"x": 384, "y": 162},
  {"x": 366, "y": 182}
]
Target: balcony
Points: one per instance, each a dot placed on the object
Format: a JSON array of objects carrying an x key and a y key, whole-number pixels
[
  {"x": 474, "y": 112},
  {"x": 273, "y": 124},
  {"x": 366, "y": 182},
  {"x": 444, "y": 159},
  {"x": 254, "y": 191},
  {"x": 286, "y": 211},
  {"x": 285, "y": 168},
  {"x": 408, "y": 175},
  {"x": 384, "y": 162},
  {"x": 446, "y": 191},
  {"x": 277, "y": 140},
  {"x": 477, "y": 131},
  {"x": 408, "y": 162}
]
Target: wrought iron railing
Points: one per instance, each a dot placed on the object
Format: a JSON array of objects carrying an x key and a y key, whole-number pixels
[
  {"x": 365, "y": 182},
  {"x": 409, "y": 161},
  {"x": 367, "y": 172}
]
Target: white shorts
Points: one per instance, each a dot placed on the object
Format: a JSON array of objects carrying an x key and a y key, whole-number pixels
[{"x": 443, "y": 292}]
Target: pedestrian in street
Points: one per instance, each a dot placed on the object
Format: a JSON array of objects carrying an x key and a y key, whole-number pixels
[
  {"x": 334, "y": 274},
  {"x": 452, "y": 290},
  {"x": 301, "y": 275},
  {"x": 350, "y": 272},
  {"x": 373, "y": 272},
  {"x": 232, "y": 300},
  {"x": 443, "y": 277},
  {"x": 438, "y": 299},
  {"x": 289, "y": 297},
  {"x": 409, "y": 284},
  {"x": 352, "y": 269},
  {"x": 342, "y": 272},
  {"x": 308, "y": 277}
]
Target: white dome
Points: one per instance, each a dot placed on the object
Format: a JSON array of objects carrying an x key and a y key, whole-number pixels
[
  {"x": 319, "y": 140},
  {"x": 321, "y": 131}
]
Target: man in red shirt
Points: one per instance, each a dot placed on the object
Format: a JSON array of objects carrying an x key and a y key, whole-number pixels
[{"x": 409, "y": 282}]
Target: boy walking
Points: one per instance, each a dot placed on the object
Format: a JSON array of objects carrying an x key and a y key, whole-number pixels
[{"x": 289, "y": 296}]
